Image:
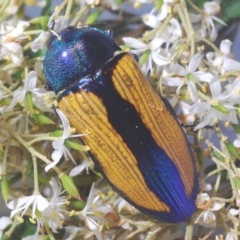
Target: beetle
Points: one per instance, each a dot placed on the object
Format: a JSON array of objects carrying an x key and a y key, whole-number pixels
[{"x": 134, "y": 136}]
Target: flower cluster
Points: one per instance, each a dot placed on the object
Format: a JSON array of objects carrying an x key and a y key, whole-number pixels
[{"x": 51, "y": 197}]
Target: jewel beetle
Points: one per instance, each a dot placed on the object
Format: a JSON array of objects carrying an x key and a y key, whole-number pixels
[{"x": 134, "y": 136}]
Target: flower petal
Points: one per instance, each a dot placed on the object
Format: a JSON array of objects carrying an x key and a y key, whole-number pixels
[
  {"x": 17, "y": 203},
  {"x": 31, "y": 81},
  {"x": 150, "y": 20},
  {"x": 78, "y": 169},
  {"x": 231, "y": 65},
  {"x": 215, "y": 86},
  {"x": 225, "y": 46},
  {"x": 159, "y": 60},
  {"x": 93, "y": 226},
  {"x": 194, "y": 62},
  {"x": 42, "y": 203},
  {"x": 90, "y": 199},
  {"x": 65, "y": 122},
  {"x": 178, "y": 69},
  {"x": 135, "y": 43}
]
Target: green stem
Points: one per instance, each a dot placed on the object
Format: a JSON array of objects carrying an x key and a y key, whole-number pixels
[
  {"x": 5, "y": 89},
  {"x": 61, "y": 7},
  {"x": 32, "y": 32},
  {"x": 44, "y": 138},
  {"x": 35, "y": 171},
  {"x": 4, "y": 163},
  {"x": 9, "y": 114},
  {"x": 12, "y": 228},
  {"x": 78, "y": 15},
  {"x": 165, "y": 24},
  {"x": 189, "y": 30},
  {"x": 49, "y": 232},
  {"x": 213, "y": 173},
  {"x": 69, "y": 8},
  {"x": 4, "y": 6},
  {"x": 196, "y": 8},
  {"x": 218, "y": 181},
  {"x": 189, "y": 229}
]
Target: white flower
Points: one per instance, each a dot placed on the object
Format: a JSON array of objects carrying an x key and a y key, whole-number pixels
[
  {"x": 230, "y": 65},
  {"x": 231, "y": 235},
  {"x": 41, "y": 41},
  {"x": 91, "y": 207},
  {"x": 151, "y": 20},
  {"x": 4, "y": 222},
  {"x": 54, "y": 212},
  {"x": 188, "y": 76},
  {"x": 234, "y": 211},
  {"x": 175, "y": 29},
  {"x": 10, "y": 37},
  {"x": 59, "y": 148},
  {"x": 121, "y": 204},
  {"x": 72, "y": 230},
  {"x": 154, "y": 21},
  {"x": 208, "y": 27},
  {"x": 43, "y": 99},
  {"x": 207, "y": 111},
  {"x": 185, "y": 117},
  {"x": 29, "y": 85},
  {"x": 89, "y": 2},
  {"x": 232, "y": 92},
  {"x": 207, "y": 217},
  {"x": 79, "y": 168},
  {"x": 23, "y": 204},
  {"x": 222, "y": 62},
  {"x": 139, "y": 47},
  {"x": 12, "y": 7}
]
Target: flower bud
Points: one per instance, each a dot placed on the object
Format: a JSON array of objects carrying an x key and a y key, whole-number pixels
[
  {"x": 42, "y": 20},
  {"x": 41, "y": 119},
  {"x": 74, "y": 145},
  {"x": 69, "y": 186},
  {"x": 233, "y": 150},
  {"x": 92, "y": 18}
]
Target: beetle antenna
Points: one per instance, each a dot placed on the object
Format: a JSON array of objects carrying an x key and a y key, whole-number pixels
[{"x": 52, "y": 24}]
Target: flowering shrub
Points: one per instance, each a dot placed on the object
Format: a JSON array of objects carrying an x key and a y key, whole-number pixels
[{"x": 67, "y": 198}]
